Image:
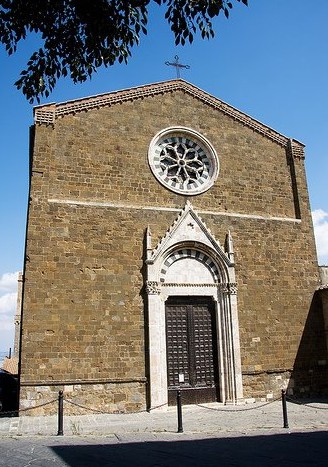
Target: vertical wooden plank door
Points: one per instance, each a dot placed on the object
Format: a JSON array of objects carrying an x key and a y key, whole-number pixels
[{"x": 192, "y": 362}]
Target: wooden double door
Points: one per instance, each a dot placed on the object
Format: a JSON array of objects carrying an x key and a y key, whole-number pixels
[{"x": 191, "y": 342}]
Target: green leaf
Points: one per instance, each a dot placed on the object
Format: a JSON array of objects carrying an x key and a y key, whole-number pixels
[{"x": 79, "y": 36}]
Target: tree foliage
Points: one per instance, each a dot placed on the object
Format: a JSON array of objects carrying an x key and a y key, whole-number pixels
[{"x": 79, "y": 36}]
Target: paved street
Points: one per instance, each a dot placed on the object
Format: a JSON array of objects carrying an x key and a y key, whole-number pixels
[
  {"x": 152, "y": 450},
  {"x": 214, "y": 435}
]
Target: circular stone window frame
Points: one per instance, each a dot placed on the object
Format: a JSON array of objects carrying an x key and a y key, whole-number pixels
[{"x": 205, "y": 146}]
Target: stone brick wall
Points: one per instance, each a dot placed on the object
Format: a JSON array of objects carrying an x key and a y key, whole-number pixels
[
  {"x": 92, "y": 197},
  {"x": 110, "y": 152}
]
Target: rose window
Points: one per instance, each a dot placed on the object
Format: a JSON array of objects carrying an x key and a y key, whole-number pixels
[
  {"x": 181, "y": 164},
  {"x": 184, "y": 161}
]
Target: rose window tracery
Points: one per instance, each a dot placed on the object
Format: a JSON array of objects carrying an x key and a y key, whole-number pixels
[
  {"x": 181, "y": 163},
  {"x": 184, "y": 162}
]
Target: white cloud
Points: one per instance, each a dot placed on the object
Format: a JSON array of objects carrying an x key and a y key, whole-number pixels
[
  {"x": 8, "y": 282},
  {"x": 320, "y": 224},
  {"x": 8, "y": 303}
]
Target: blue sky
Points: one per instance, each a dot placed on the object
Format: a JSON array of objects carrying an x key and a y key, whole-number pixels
[{"x": 269, "y": 60}]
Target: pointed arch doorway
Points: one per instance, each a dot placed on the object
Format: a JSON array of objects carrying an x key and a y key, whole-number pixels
[
  {"x": 192, "y": 315},
  {"x": 191, "y": 349}
]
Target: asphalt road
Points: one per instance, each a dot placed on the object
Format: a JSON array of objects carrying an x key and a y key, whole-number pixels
[{"x": 164, "y": 450}]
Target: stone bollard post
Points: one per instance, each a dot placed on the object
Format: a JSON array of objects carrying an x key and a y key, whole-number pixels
[
  {"x": 179, "y": 409},
  {"x": 284, "y": 408},
  {"x": 60, "y": 413}
]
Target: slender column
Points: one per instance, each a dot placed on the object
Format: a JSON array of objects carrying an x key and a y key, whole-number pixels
[
  {"x": 236, "y": 357},
  {"x": 157, "y": 346}
]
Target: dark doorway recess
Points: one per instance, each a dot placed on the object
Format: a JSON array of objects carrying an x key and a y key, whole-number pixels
[{"x": 192, "y": 357}]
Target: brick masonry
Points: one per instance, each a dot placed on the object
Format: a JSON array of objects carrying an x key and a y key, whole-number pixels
[{"x": 92, "y": 197}]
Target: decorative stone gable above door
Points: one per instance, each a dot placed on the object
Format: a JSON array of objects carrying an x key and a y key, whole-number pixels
[{"x": 189, "y": 262}]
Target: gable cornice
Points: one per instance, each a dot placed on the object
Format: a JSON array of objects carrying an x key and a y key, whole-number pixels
[{"x": 48, "y": 113}]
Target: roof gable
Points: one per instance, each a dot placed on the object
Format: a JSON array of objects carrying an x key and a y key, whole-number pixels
[{"x": 48, "y": 113}]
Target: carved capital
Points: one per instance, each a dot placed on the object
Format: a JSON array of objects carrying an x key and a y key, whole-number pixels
[
  {"x": 233, "y": 288},
  {"x": 152, "y": 288},
  {"x": 228, "y": 288},
  {"x": 223, "y": 287}
]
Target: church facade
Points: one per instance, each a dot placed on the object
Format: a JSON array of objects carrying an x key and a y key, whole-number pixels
[{"x": 169, "y": 245}]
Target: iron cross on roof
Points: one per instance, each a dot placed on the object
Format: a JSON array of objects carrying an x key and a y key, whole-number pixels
[{"x": 177, "y": 65}]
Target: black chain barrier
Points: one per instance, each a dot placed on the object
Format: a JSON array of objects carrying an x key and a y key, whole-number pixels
[
  {"x": 239, "y": 410},
  {"x": 305, "y": 404},
  {"x": 12, "y": 413},
  {"x": 38, "y": 406},
  {"x": 103, "y": 412},
  {"x": 61, "y": 398},
  {"x": 91, "y": 409},
  {"x": 282, "y": 398}
]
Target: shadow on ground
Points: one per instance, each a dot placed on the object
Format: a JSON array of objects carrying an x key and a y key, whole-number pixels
[{"x": 287, "y": 449}]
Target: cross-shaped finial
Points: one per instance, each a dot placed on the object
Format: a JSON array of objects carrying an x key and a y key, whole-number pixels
[{"x": 177, "y": 65}]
